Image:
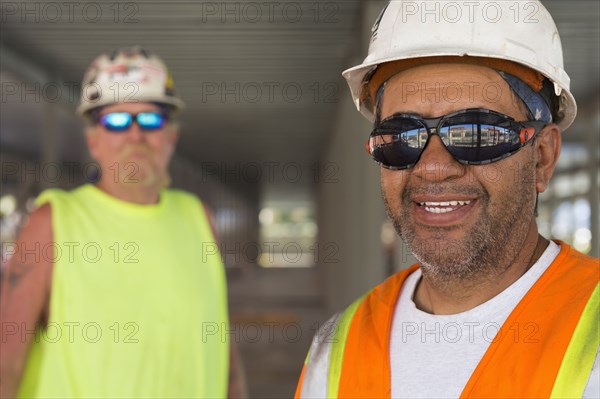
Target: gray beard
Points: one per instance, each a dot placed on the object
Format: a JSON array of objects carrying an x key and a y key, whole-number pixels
[{"x": 491, "y": 246}]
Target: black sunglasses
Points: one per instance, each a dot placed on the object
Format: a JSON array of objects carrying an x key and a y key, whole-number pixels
[{"x": 473, "y": 136}]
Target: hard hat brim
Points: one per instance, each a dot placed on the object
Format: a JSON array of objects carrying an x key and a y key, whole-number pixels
[
  {"x": 355, "y": 77},
  {"x": 175, "y": 102}
]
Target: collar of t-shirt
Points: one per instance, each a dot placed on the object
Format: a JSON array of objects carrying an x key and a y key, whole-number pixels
[{"x": 508, "y": 298}]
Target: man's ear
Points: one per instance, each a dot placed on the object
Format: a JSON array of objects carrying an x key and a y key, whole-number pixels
[{"x": 547, "y": 150}]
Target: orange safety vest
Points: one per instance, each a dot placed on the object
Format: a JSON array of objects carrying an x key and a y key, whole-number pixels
[{"x": 563, "y": 305}]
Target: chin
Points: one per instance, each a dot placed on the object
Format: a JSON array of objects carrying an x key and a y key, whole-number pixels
[{"x": 147, "y": 178}]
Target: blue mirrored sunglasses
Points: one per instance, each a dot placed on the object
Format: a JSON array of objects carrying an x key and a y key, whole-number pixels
[{"x": 121, "y": 121}]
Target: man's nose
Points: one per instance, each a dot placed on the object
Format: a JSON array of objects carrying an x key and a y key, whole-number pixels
[
  {"x": 436, "y": 163},
  {"x": 135, "y": 132}
]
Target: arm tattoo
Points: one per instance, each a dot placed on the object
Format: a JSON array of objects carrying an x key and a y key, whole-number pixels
[{"x": 16, "y": 273}]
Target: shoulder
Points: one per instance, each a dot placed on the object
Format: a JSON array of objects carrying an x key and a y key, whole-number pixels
[
  {"x": 383, "y": 295},
  {"x": 325, "y": 335},
  {"x": 38, "y": 223},
  {"x": 387, "y": 292},
  {"x": 57, "y": 195},
  {"x": 50, "y": 195},
  {"x": 379, "y": 299},
  {"x": 373, "y": 310},
  {"x": 35, "y": 233},
  {"x": 577, "y": 261}
]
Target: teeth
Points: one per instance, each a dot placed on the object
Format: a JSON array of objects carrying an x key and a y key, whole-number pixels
[
  {"x": 442, "y": 207},
  {"x": 445, "y": 203},
  {"x": 438, "y": 210}
]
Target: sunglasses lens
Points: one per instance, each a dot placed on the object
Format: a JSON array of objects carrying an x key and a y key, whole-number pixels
[
  {"x": 150, "y": 120},
  {"x": 116, "y": 121},
  {"x": 398, "y": 143},
  {"x": 477, "y": 138}
]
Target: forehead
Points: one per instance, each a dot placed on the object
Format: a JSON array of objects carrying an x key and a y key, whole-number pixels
[
  {"x": 439, "y": 89},
  {"x": 130, "y": 107}
]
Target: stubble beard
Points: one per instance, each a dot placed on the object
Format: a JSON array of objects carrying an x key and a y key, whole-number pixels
[
  {"x": 143, "y": 172},
  {"x": 484, "y": 252}
]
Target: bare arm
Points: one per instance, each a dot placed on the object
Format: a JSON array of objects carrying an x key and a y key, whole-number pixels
[{"x": 24, "y": 297}]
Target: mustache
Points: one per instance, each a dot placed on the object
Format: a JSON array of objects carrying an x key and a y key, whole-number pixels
[
  {"x": 132, "y": 148},
  {"x": 443, "y": 188}
]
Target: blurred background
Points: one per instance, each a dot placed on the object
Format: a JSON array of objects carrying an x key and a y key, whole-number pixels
[{"x": 270, "y": 141}]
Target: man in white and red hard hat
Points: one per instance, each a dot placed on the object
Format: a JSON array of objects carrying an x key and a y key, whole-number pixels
[
  {"x": 468, "y": 111},
  {"x": 125, "y": 303}
]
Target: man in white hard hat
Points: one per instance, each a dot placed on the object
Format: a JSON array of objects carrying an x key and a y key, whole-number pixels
[
  {"x": 467, "y": 114},
  {"x": 109, "y": 293}
]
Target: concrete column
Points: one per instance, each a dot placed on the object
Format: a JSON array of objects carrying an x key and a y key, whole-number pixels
[
  {"x": 593, "y": 122},
  {"x": 49, "y": 150},
  {"x": 350, "y": 208}
]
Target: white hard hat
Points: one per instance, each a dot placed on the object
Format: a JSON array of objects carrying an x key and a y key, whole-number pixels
[
  {"x": 500, "y": 34},
  {"x": 127, "y": 75}
]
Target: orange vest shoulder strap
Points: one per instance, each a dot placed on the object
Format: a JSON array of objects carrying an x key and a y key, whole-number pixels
[
  {"x": 525, "y": 357},
  {"x": 365, "y": 371}
]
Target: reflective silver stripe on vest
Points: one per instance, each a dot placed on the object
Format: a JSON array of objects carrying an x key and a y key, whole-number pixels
[
  {"x": 314, "y": 384},
  {"x": 592, "y": 389}
]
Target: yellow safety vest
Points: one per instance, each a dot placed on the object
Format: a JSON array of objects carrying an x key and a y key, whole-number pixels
[{"x": 138, "y": 305}]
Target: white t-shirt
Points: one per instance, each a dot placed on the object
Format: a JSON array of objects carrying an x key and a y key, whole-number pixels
[{"x": 433, "y": 356}]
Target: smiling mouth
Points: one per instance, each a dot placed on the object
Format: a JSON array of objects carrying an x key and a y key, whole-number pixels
[{"x": 443, "y": 206}]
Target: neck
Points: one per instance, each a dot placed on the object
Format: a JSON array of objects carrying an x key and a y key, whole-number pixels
[
  {"x": 460, "y": 296},
  {"x": 130, "y": 192}
]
